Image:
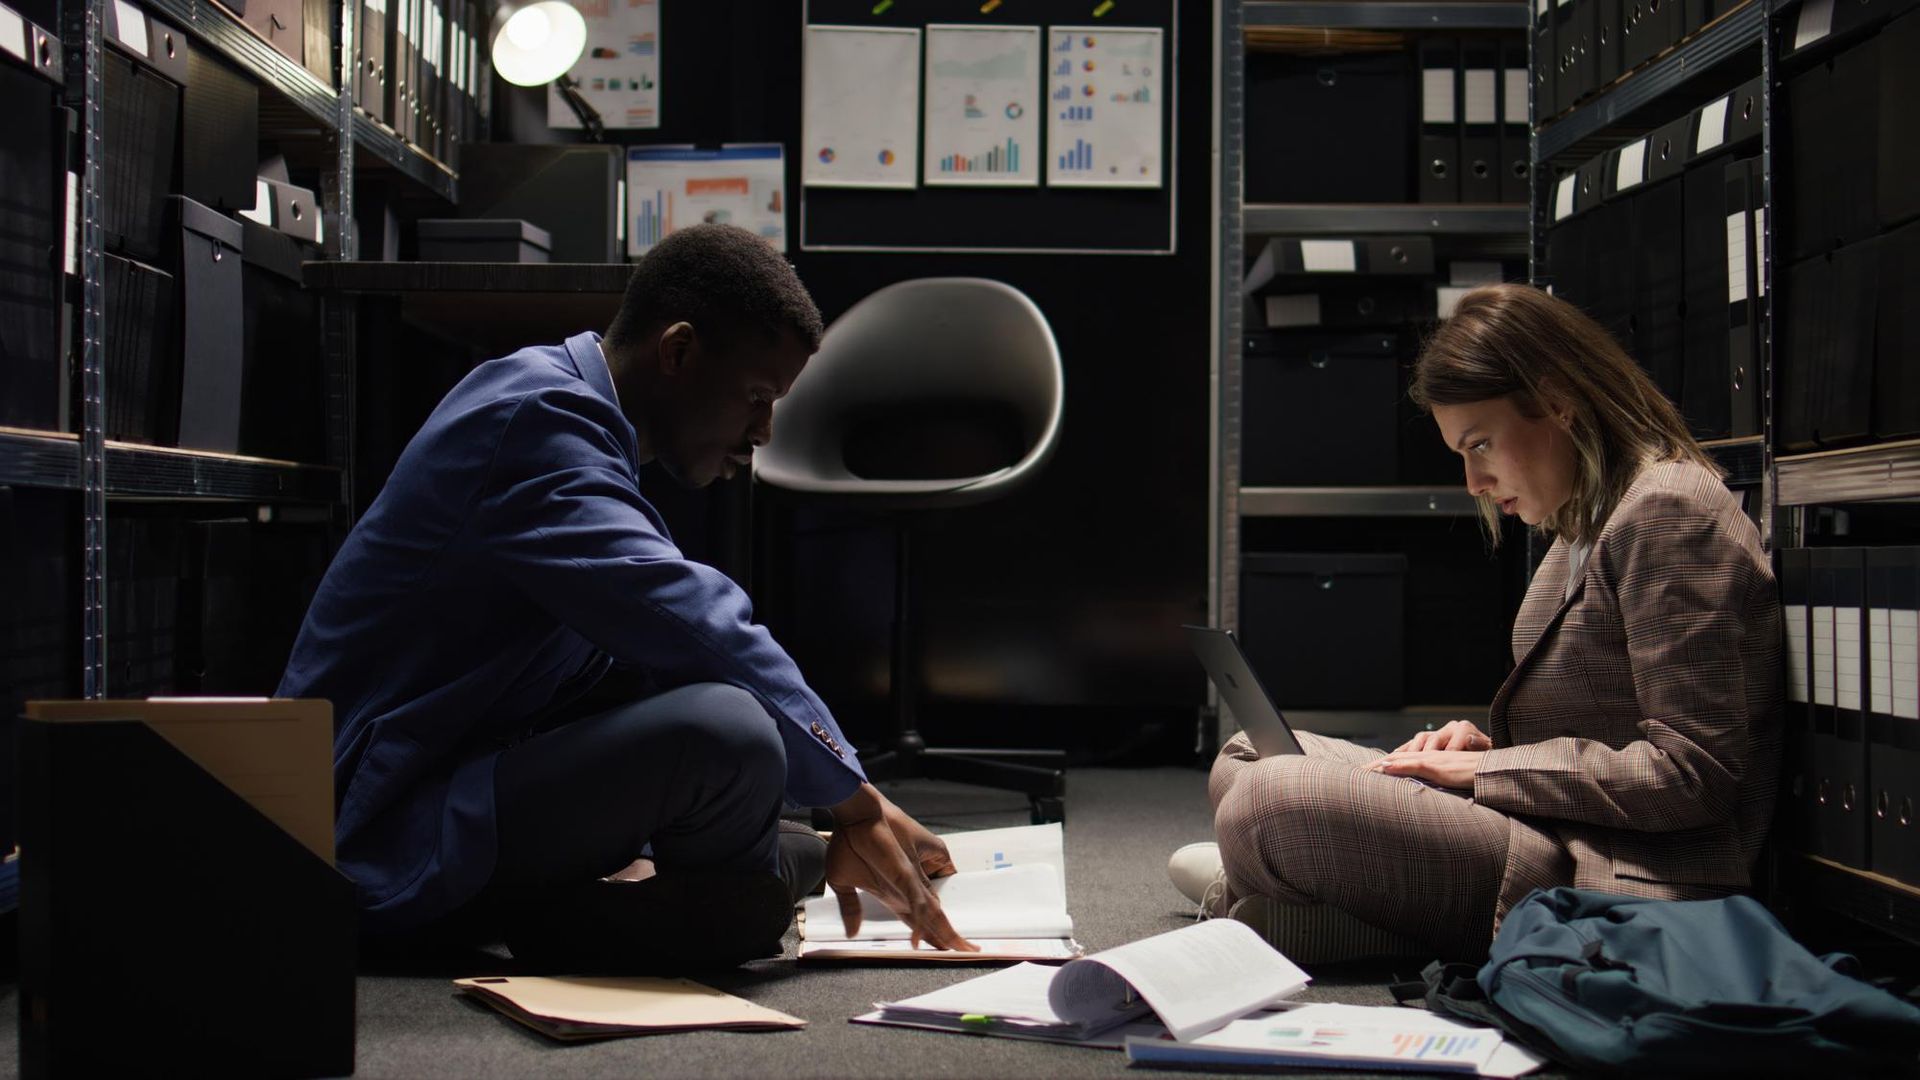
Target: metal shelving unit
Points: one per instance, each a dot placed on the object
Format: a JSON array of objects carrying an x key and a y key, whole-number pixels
[
  {"x": 1860, "y": 474},
  {"x": 1411, "y": 501},
  {"x": 97, "y": 470},
  {"x": 1385, "y": 219},
  {"x": 1733, "y": 33},
  {"x": 1466, "y": 224},
  {"x": 1389, "y": 14}
]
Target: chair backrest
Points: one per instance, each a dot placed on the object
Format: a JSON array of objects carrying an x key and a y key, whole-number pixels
[{"x": 934, "y": 391}]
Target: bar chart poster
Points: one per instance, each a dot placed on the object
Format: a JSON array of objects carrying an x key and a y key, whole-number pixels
[
  {"x": 672, "y": 187},
  {"x": 860, "y": 125},
  {"x": 982, "y": 106},
  {"x": 619, "y": 73},
  {"x": 1104, "y": 85}
]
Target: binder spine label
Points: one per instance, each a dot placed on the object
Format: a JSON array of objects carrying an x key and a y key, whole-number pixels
[
  {"x": 1759, "y": 264},
  {"x": 1481, "y": 105},
  {"x": 1823, "y": 655},
  {"x": 1633, "y": 166},
  {"x": 1436, "y": 96},
  {"x": 1713, "y": 126},
  {"x": 1328, "y": 256},
  {"x": 1903, "y": 639},
  {"x": 1815, "y": 22},
  {"x": 1516, "y": 100},
  {"x": 1737, "y": 282},
  {"x": 1879, "y": 661},
  {"x": 13, "y": 34},
  {"x": 1795, "y": 616},
  {"x": 1563, "y": 197},
  {"x": 1846, "y": 658}
]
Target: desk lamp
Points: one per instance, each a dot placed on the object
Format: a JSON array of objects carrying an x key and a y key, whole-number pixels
[{"x": 535, "y": 44}]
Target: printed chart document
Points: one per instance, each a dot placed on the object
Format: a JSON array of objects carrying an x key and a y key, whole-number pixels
[
  {"x": 1009, "y": 896},
  {"x": 983, "y": 106},
  {"x": 619, "y": 72},
  {"x": 598, "y": 1008},
  {"x": 1191, "y": 980},
  {"x": 672, "y": 187},
  {"x": 1104, "y": 85},
  {"x": 1327, "y": 1035},
  {"x": 860, "y": 108}
]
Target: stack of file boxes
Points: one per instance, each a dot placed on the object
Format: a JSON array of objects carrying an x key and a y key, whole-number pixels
[
  {"x": 34, "y": 148},
  {"x": 1660, "y": 241},
  {"x": 1852, "y": 791},
  {"x": 1444, "y": 122},
  {"x": 420, "y": 70},
  {"x": 1848, "y": 368},
  {"x": 1585, "y": 46}
]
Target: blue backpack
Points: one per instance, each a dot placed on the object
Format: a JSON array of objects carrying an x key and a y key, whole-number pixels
[{"x": 1616, "y": 984}]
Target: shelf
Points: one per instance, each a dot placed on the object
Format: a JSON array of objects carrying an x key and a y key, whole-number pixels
[
  {"x": 231, "y": 38},
  {"x": 1734, "y": 32},
  {"x": 1357, "y": 502},
  {"x": 1874, "y": 899},
  {"x": 52, "y": 460},
  {"x": 380, "y": 143},
  {"x": 1390, "y": 14},
  {"x": 1862, "y": 474},
  {"x": 1745, "y": 460},
  {"x": 1386, "y": 219},
  {"x": 467, "y": 277},
  {"x": 492, "y": 307}
]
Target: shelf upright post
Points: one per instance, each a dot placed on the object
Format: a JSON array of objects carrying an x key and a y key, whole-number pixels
[
  {"x": 80, "y": 29},
  {"x": 338, "y": 311},
  {"x": 1769, "y": 480},
  {"x": 1223, "y": 554}
]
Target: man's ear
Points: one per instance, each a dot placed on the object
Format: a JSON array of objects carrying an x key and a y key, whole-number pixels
[{"x": 676, "y": 347}]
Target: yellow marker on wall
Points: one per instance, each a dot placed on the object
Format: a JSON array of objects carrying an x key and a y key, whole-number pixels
[{"x": 1105, "y": 6}]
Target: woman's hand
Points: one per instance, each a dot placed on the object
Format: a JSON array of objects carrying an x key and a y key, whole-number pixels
[
  {"x": 1458, "y": 735},
  {"x": 1446, "y": 768}
]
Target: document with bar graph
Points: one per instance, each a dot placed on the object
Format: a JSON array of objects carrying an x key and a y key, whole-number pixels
[
  {"x": 1104, "y": 108},
  {"x": 982, "y": 115},
  {"x": 672, "y": 187}
]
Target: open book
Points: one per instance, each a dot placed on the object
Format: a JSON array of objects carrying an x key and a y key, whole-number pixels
[
  {"x": 1191, "y": 980},
  {"x": 1009, "y": 897}
]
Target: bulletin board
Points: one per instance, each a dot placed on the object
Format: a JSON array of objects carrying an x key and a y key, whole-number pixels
[{"x": 1038, "y": 217}]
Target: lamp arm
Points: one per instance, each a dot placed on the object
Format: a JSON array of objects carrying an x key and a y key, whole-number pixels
[{"x": 590, "y": 118}]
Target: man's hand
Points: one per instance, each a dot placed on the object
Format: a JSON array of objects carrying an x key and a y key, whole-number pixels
[
  {"x": 1458, "y": 735},
  {"x": 1447, "y": 768},
  {"x": 878, "y": 848}
]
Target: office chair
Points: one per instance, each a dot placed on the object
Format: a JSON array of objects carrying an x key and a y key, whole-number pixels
[{"x": 926, "y": 396}]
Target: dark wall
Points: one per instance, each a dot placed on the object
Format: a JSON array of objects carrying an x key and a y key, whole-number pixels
[{"x": 1060, "y": 606}]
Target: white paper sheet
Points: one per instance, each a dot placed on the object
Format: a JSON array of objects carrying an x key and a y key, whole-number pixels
[
  {"x": 983, "y": 106},
  {"x": 860, "y": 109},
  {"x": 1104, "y": 85},
  {"x": 1509, "y": 1060},
  {"x": 1196, "y": 978},
  {"x": 672, "y": 187},
  {"x": 1017, "y": 845},
  {"x": 619, "y": 74},
  {"x": 1020, "y": 901}
]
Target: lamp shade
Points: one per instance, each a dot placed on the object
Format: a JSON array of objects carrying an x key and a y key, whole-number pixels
[{"x": 534, "y": 44}]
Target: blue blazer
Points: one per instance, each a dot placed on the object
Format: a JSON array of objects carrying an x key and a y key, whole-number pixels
[{"x": 510, "y": 552}]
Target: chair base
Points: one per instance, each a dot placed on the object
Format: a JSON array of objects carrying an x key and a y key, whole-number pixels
[{"x": 1039, "y": 774}]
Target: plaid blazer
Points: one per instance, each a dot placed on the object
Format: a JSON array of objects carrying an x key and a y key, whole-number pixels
[{"x": 1637, "y": 741}]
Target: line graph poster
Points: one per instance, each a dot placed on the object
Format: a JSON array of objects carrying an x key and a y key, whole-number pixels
[
  {"x": 861, "y": 107},
  {"x": 620, "y": 71},
  {"x": 982, "y": 112},
  {"x": 1104, "y": 85}
]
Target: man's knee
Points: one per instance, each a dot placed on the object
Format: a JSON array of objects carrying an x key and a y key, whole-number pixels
[{"x": 729, "y": 724}]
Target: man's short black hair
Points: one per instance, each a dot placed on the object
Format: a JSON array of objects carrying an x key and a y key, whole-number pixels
[{"x": 724, "y": 280}]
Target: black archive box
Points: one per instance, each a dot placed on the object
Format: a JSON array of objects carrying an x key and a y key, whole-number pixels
[
  {"x": 219, "y": 134},
  {"x": 1335, "y": 128},
  {"x": 140, "y": 162},
  {"x": 1831, "y": 130},
  {"x": 211, "y": 339},
  {"x": 1896, "y": 367},
  {"x": 33, "y": 383},
  {"x": 1825, "y": 370},
  {"x": 1893, "y": 718},
  {"x": 243, "y": 963},
  {"x": 142, "y": 368},
  {"x": 1320, "y": 408},
  {"x": 570, "y": 191},
  {"x": 283, "y": 381},
  {"x": 1326, "y": 630}
]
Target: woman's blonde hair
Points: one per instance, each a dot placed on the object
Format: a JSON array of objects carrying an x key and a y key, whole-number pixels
[{"x": 1515, "y": 340}]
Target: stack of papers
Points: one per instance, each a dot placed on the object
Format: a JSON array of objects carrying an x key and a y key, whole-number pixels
[
  {"x": 1181, "y": 983},
  {"x": 1009, "y": 897},
  {"x": 572, "y": 1009},
  {"x": 1326, "y": 1035}
]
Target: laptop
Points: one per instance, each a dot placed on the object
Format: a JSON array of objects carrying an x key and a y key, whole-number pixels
[{"x": 1226, "y": 663}]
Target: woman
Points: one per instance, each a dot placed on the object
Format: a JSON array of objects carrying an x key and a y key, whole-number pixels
[{"x": 1635, "y": 746}]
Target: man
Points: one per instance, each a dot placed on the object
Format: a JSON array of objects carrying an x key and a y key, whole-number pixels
[{"x": 534, "y": 688}]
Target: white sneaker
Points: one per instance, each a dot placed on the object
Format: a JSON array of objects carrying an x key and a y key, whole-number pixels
[
  {"x": 1319, "y": 933},
  {"x": 1195, "y": 870}
]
